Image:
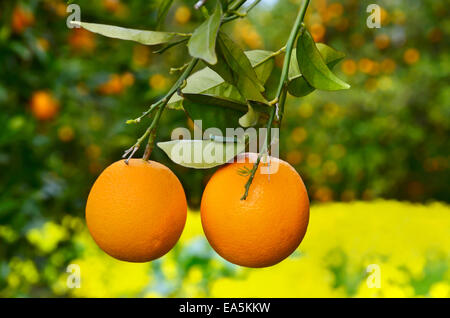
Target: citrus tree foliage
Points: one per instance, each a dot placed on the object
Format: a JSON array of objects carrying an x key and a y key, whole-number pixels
[
  {"x": 227, "y": 60},
  {"x": 386, "y": 137}
]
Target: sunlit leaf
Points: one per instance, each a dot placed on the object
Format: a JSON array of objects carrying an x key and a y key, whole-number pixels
[
  {"x": 298, "y": 86},
  {"x": 201, "y": 154},
  {"x": 250, "y": 118},
  {"x": 235, "y": 68},
  {"x": 206, "y": 81},
  {"x": 261, "y": 63},
  {"x": 141, "y": 36},
  {"x": 313, "y": 67},
  {"x": 202, "y": 44},
  {"x": 330, "y": 55}
]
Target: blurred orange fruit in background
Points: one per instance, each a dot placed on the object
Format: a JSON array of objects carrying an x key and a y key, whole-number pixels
[
  {"x": 113, "y": 86},
  {"x": 127, "y": 79},
  {"x": 365, "y": 65},
  {"x": 136, "y": 212},
  {"x": 182, "y": 15},
  {"x": 388, "y": 65},
  {"x": 82, "y": 40},
  {"x": 158, "y": 82},
  {"x": 66, "y": 133},
  {"x": 411, "y": 56},
  {"x": 349, "y": 67},
  {"x": 268, "y": 225},
  {"x": 382, "y": 41},
  {"x": 111, "y": 5},
  {"x": 141, "y": 55},
  {"x": 318, "y": 32},
  {"x": 44, "y": 106},
  {"x": 21, "y": 19}
]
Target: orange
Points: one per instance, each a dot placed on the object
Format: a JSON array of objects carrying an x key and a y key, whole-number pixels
[
  {"x": 136, "y": 212},
  {"x": 158, "y": 82},
  {"x": 382, "y": 41},
  {"x": 365, "y": 65},
  {"x": 127, "y": 79},
  {"x": 388, "y": 65},
  {"x": 182, "y": 15},
  {"x": 21, "y": 19},
  {"x": 252, "y": 39},
  {"x": 113, "y": 86},
  {"x": 111, "y": 5},
  {"x": 411, "y": 56},
  {"x": 318, "y": 32},
  {"x": 66, "y": 133},
  {"x": 265, "y": 228},
  {"x": 349, "y": 67},
  {"x": 82, "y": 40},
  {"x": 44, "y": 106}
]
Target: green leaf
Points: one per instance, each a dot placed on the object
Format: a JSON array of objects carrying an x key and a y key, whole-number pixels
[
  {"x": 141, "y": 36},
  {"x": 164, "y": 7},
  {"x": 250, "y": 118},
  {"x": 298, "y": 86},
  {"x": 218, "y": 112},
  {"x": 262, "y": 62},
  {"x": 330, "y": 55},
  {"x": 202, "y": 44},
  {"x": 206, "y": 81},
  {"x": 235, "y": 68},
  {"x": 201, "y": 154},
  {"x": 313, "y": 67},
  {"x": 224, "y": 4},
  {"x": 221, "y": 112},
  {"x": 198, "y": 83}
]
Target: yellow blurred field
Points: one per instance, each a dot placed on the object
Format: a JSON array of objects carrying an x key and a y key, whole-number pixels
[{"x": 410, "y": 244}]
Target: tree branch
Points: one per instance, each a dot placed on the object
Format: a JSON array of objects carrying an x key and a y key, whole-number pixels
[
  {"x": 160, "y": 105},
  {"x": 280, "y": 99}
]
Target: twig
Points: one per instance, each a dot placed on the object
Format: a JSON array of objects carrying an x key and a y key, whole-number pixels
[
  {"x": 237, "y": 5},
  {"x": 174, "y": 70},
  {"x": 160, "y": 105},
  {"x": 236, "y": 14},
  {"x": 154, "y": 125},
  {"x": 144, "y": 114},
  {"x": 280, "y": 98},
  {"x": 282, "y": 50},
  {"x": 169, "y": 46}
]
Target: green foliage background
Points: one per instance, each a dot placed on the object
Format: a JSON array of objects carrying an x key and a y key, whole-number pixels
[{"x": 385, "y": 138}]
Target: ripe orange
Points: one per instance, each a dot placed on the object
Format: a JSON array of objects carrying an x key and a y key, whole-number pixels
[
  {"x": 82, "y": 40},
  {"x": 265, "y": 228},
  {"x": 44, "y": 106},
  {"x": 183, "y": 15},
  {"x": 318, "y": 32},
  {"x": 21, "y": 19},
  {"x": 136, "y": 212},
  {"x": 113, "y": 86},
  {"x": 158, "y": 82},
  {"x": 411, "y": 56},
  {"x": 111, "y": 5}
]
